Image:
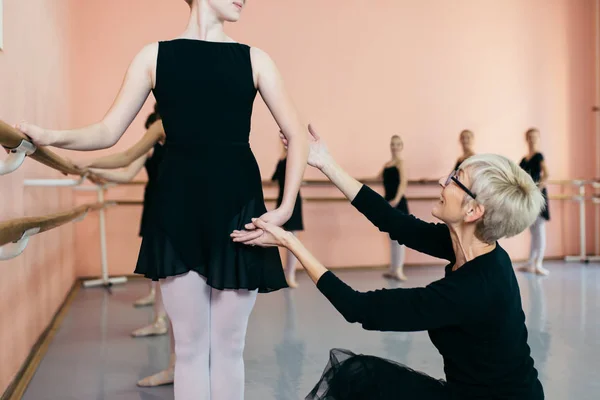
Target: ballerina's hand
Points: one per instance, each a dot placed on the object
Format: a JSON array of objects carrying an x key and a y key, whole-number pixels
[
  {"x": 270, "y": 235},
  {"x": 83, "y": 164},
  {"x": 39, "y": 136},
  {"x": 318, "y": 155},
  {"x": 275, "y": 217},
  {"x": 98, "y": 180}
]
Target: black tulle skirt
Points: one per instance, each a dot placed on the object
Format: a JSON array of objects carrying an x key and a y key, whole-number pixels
[
  {"x": 349, "y": 376},
  {"x": 202, "y": 194}
]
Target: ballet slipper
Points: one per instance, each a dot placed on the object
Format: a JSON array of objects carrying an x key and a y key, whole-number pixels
[
  {"x": 162, "y": 378},
  {"x": 146, "y": 300},
  {"x": 158, "y": 328},
  {"x": 292, "y": 283},
  {"x": 526, "y": 268},
  {"x": 397, "y": 276},
  {"x": 539, "y": 270}
]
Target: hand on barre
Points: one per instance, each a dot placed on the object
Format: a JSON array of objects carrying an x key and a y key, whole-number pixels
[
  {"x": 39, "y": 136},
  {"x": 95, "y": 178}
]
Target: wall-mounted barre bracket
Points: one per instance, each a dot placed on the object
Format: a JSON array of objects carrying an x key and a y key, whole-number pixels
[
  {"x": 16, "y": 157},
  {"x": 14, "y": 249}
]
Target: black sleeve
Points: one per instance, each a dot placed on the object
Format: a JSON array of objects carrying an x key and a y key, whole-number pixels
[
  {"x": 428, "y": 238},
  {"x": 443, "y": 303}
]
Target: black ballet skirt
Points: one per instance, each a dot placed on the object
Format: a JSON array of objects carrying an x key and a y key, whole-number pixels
[
  {"x": 533, "y": 167},
  {"x": 208, "y": 182},
  {"x": 295, "y": 223},
  {"x": 391, "y": 184},
  {"x": 151, "y": 165},
  {"x": 349, "y": 376}
]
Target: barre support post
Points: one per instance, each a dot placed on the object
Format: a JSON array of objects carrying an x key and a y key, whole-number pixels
[
  {"x": 105, "y": 280},
  {"x": 582, "y": 257}
]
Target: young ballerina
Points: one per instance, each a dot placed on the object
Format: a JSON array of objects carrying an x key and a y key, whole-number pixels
[
  {"x": 149, "y": 299},
  {"x": 209, "y": 184},
  {"x": 394, "y": 185},
  {"x": 295, "y": 223},
  {"x": 131, "y": 167},
  {"x": 467, "y": 141},
  {"x": 535, "y": 165},
  {"x": 473, "y": 314}
]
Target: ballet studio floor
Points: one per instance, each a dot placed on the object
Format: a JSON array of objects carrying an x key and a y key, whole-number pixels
[{"x": 92, "y": 355}]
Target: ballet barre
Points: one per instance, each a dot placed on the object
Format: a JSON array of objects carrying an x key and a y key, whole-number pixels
[
  {"x": 105, "y": 280},
  {"x": 310, "y": 199},
  {"x": 366, "y": 181},
  {"x": 20, "y": 146},
  {"x": 53, "y": 182},
  {"x": 15, "y": 234}
]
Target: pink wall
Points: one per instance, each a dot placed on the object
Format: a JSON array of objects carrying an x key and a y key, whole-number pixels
[
  {"x": 35, "y": 86},
  {"x": 361, "y": 73}
]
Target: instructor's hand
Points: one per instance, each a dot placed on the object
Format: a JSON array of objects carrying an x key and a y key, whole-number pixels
[
  {"x": 275, "y": 217},
  {"x": 318, "y": 154},
  {"x": 269, "y": 235}
]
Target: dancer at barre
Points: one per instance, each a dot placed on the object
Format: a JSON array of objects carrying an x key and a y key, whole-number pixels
[
  {"x": 151, "y": 161},
  {"x": 467, "y": 142},
  {"x": 535, "y": 165},
  {"x": 474, "y": 314},
  {"x": 149, "y": 299},
  {"x": 395, "y": 183},
  {"x": 295, "y": 224},
  {"x": 147, "y": 153},
  {"x": 209, "y": 184}
]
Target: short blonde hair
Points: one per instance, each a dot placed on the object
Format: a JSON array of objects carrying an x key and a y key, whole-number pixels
[{"x": 511, "y": 199}]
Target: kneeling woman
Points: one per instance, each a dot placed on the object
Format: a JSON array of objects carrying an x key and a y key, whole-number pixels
[{"x": 473, "y": 315}]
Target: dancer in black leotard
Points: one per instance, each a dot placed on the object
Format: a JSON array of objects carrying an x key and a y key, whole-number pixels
[
  {"x": 295, "y": 223},
  {"x": 467, "y": 141},
  {"x": 535, "y": 166},
  {"x": 131, "y": 167},
  {"x": 209, "y": 184},
  {"x": 394, "y": 185}
]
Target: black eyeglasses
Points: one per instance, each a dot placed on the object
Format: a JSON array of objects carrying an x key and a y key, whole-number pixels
[{"x": 454, "y": 178}]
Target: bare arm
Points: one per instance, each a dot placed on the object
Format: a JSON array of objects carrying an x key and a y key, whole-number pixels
[
  {"x": 271, "y": 88},
  {"x": 153, "y": 135},
  {"x": 136, "y": 86},
  {"x": 123, "y": 175},
  {"x": 341, "y": 179}
]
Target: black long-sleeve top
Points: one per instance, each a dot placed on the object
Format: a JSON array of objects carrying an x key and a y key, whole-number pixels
[{"x": 473, "y": 315}]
